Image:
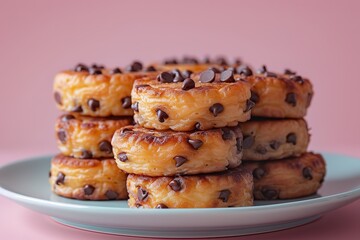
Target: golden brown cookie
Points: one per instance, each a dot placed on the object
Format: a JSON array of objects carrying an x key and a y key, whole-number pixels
[
  {"x": 207, "y": 101},
  {"x": 232, "y": 188},
  {"x": 87, "y": 179},
  {"x": 167, "y": 153},
  {"x": 287, "y": 178},
  {"x": 278, "y": 95},
  {"x": 266, "y": 139},
  {"x": 87, "y": 137},
  {"x": 97, "y": 91}
]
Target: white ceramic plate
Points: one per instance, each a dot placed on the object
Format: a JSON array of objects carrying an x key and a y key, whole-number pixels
[{"x": 26, "y": 182}]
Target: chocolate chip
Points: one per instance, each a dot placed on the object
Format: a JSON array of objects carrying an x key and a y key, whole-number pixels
[
  {"x": 291, "y": 138},
  {"x": 111, "y": 195},
  {"x": 77, "y": 109},
  {"x": 115, "y": 71},
  {"x": 105, "y": 146},
  {"x": 122, "y": 157},
  {"x": 85, "y": 154},
  {"x": 126, "y": 102},
  {"x": 207, "y": 60},
  {"x": 238, "y": 61},
  {"x": 270, "y": 194},
  {"x": 226, "y": 134},
  {"x": 270, "y": 74},
  {"x": 244, "y": 70},
  {"x": 221, "y": 61},
  {"x": 216, "y": 109},
  {"x": 195, "y": 143},
  {"x": 135, "y": 106},
  {"x": 57, "y": 97},
  {"x": 207, "y": 76},
  {"x": 95, "y": 71},
  {"x": 93, "y": 104},
  {"x": 188, "y": 84},
  {"x": 177, "y": 76},
  {"x": 274, "y": 144},
  {"x": 165, "y": 77},
  {"x": 198, "y": 126},
  {"x": 224, "y": 195},
  {"x": 142, "y": 194},
  {"x": 170, "y": 61},
  {"x": 97, "y": 66},
  {"x": 239, "y": 144},
  {"x": 261, "y": 149},
  {"x": 186, "y": 73},
  {"x": 89, "y": 189},
  {"x": 190, "y": 60},
  {"x": 150, "y": 69},
  {"x": 254, "y": 97},
  {"x": 60, "y": 178},
  {"x": 67, "y": 117},
  {"x": 249, "y": 105},
  {"x": 248, "y": 141},
  {"x": 61, "y": 134},
  {"x": 227, "y": 76},
  {"x": 262, "y": 70},
  {"x": 135, "y": 67},
  {"x": 49, "y": 174},
  {"x": 216, "y": 70},
  {"x": 179, "y": 160},
  {"x": 307, "y": 173},
  {"x": 161, "y": 115},
  {"x": 258, "y": 173},
  {"x": 291, "y": 99},
  {"x": 81, "y": 68},
  {"x": 161, "y": 205},
  {"x": 297, "y": 79},
  {"x": 289, "y": 72},
  {"x": 176, "y": 184}
]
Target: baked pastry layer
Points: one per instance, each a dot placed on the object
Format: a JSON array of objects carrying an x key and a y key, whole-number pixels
[
  {"x": 232, "y": 188},
  {"x": 87, "y": 179},
  {"x": 167, "y": 153},
  {"x": 287, "y": 178},
  {"x": 87, "y": 137},
  {"x": 190, "y": 104},
  {"x": 266, "y": 139},
  {"x": 100, "y": 94}
]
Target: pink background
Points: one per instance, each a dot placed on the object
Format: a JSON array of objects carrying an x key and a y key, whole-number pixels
[{"x": 319, "y": 39}]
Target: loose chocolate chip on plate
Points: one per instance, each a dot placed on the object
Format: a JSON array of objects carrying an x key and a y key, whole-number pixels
[
  {"x": 126, "y": 102},
  {"x": 307, "y": 173},
  {"x": 179, "y": 160},
  {"x": 216, "y": 109},
  {"x": 289, "y": 72},
  {"x": 224, "y": 195},
  {"x": 111, "y": 195},
  {"x": 291, "y": 138},
  {"x": 93, "y": 104},
  {"x": 105, "y": 146},
  {"x": 270, "y": 194},
  {"x": 60, "y": 178},
  {"x": 262, "y": 70},
  {"x": 226, "y": 133},
  {"x": 188, "y": 84},
  {"x": 254, "y": 97},
  {"x": 57, "y": 97},
  {"x": 135, "y": 106},
  {"x": 248, "y": 141},
  {"x": 95, "y": 71},
  {"x": 77, "y": 109},
  {"x": 176, "y": 184},
  {"x": 122, "y": 157},
  {"x": 207, "y": 76},
  {"x": 89, "y": 189},
  {"x": 239, "y": 144},
  {"x": 61, "y": 134},
  {"x": 135, "y": 67},
  {"x": 227, "y": 76},
  {"x": 161, "y": 205},
  {"x": 195, "y": 143},
  {"x": 161, "y": 115},
  {"x": 249, "y": 105},
  {"x": 142, "y": 194},
  {"x": 115, "y": 71},
  {"x": 258, "y": 173},
  {"x": 85, "y": 154},
  {"x": 274, "y": 144},
  {"x": 150, "y": 69},
  {"x": 244, "y": 70},
  {"x": 261, "y": 149},
  {"x": 291, "y": 99}
]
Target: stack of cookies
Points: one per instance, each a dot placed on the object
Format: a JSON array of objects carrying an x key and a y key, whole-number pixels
[
  {"x": 276, "y": 138},
  {"x": 186, "y": 149},
  {"x": 96, "y": 102}
]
